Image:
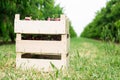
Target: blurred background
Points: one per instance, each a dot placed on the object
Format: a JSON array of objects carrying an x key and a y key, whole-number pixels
[{"x": 94, "y": 19}]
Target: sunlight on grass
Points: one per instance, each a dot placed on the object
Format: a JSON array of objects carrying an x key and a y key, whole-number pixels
[{"x": 89, "y": 60}]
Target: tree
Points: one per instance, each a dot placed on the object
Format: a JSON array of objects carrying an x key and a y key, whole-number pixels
[
  {"x": 105, "y": 25},
  {"x": 37, "y": 9},
  {"x": 72, "y": 31}
]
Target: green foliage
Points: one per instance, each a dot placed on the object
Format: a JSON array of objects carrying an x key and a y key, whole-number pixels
[
  {"x": 106, "y": 25},
  {"x": 8, "y": 9},
  {"x": 72, "y": 32},
  {"x": 50, "y": 10},
  {"x": 37, "y": 9}
]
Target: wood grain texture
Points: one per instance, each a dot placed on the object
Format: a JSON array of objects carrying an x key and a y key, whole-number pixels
[
  {"x": 34, "y": 46},
  {"x": 40, "y": 27}
]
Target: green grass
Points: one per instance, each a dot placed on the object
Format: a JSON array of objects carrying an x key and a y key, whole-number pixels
[{"x": 89, "y": 60}]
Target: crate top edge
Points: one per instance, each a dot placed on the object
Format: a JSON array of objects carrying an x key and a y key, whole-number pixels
[{"x": 61, "y": 18}]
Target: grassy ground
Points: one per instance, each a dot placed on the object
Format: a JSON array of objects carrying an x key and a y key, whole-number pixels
[{"x": 89, "y": 60}]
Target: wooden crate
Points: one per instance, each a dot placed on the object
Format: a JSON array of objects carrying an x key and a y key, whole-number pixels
[{"x": 44, "y": 47}]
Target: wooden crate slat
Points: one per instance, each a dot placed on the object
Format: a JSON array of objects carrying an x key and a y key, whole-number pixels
[
  {"x": 32, "y": 46},
  {"x": 40, "y": 27}
]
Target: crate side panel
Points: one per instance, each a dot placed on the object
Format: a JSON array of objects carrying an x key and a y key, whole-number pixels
[
  {"x": 40, "y": 27},
  {"x": 28, "y": 46}
]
